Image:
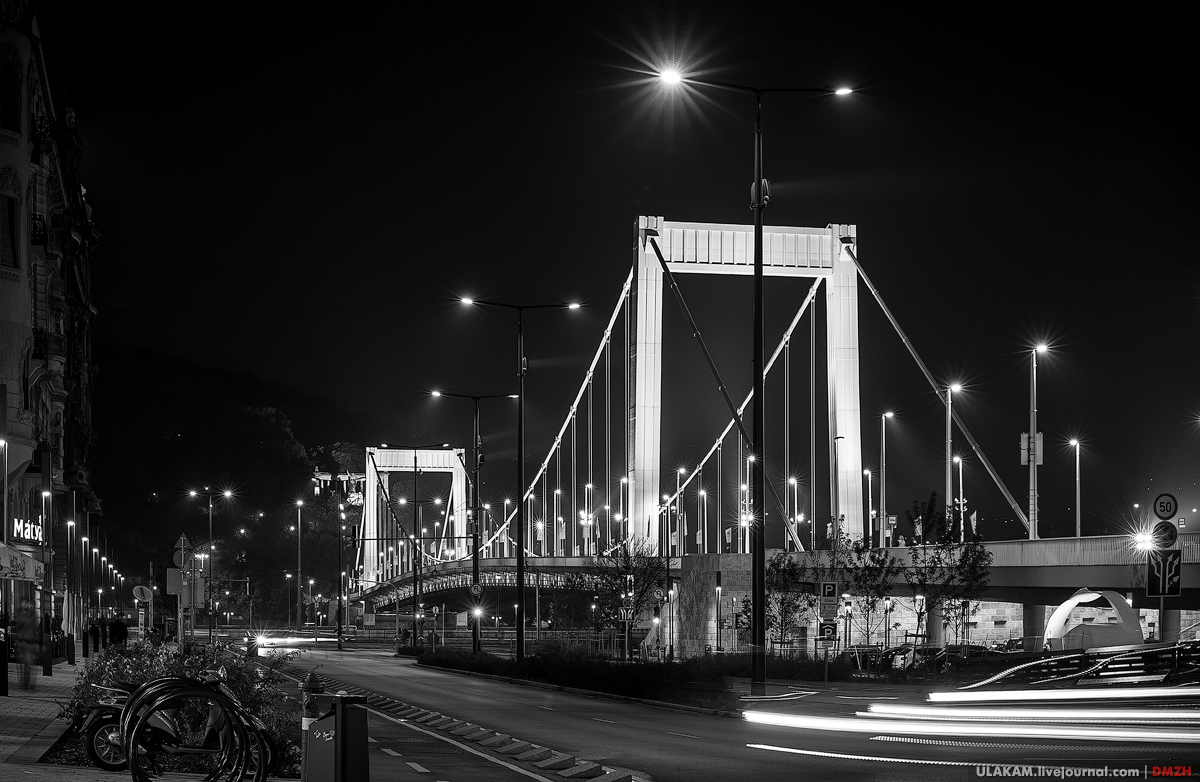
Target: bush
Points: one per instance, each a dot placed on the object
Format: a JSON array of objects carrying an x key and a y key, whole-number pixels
[{"x": 256, "y": 684}]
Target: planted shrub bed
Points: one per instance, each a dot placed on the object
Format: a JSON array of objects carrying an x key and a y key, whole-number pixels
[{"x": 699, "y": 681}]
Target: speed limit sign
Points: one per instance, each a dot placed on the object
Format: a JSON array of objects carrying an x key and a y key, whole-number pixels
[{"x": 1165, "y": 507}]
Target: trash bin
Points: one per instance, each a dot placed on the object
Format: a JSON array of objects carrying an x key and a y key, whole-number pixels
[{"x": 335, "y": 743}]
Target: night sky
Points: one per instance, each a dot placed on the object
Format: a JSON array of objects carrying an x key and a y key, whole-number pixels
[{"x": 305, "y": 199}]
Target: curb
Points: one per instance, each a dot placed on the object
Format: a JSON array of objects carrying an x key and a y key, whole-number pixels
[{"x": 734, "y": 713}]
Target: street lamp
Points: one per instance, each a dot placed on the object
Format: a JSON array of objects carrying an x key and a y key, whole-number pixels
[
  {"x": 962, "y": 503},
  {"x": 870, "y": 510},
  {"x": 758, "y": 203},
  {"x": 208, "y": 495},
  {"x": 887, "y": 622},
  {"x": 951, "y": 390},
  {"x": 299, "y": 570},
  {"x": 883, "y": 514},
  {"x": 1034, "y": 452},
  {"x": 1078, "y": 509},
  {"x": 521, "y": 369},
  {"x": 476, "y": 512},
  {"x": 418, "y": 547}
]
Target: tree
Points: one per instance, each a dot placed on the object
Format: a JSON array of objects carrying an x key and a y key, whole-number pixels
[
  {"x": 872, "y": 573},
  {"x": 940, "y": 572},
  {"x": 626, "y": 576},
  {"x": 787, "y": 600}
]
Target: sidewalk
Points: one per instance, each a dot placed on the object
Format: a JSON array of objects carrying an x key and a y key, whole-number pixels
[{"x": 28, "y": 718}]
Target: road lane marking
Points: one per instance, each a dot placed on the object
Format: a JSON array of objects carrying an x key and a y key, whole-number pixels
[
  {"x": 845, "y": 756},
  {"x": 869, "y": 697},
  {"x": 685, "y": 735},
  {"x": 461, "y": 746},
  {"x": 372, "y": 741},
  {"x": 610, "y": 722},
  {"x": 547, "y": 708},
  {"x": 392, "y": 752},
  {"x": 417, "y": 767}
]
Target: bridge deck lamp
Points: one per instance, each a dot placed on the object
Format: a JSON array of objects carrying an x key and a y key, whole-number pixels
[{"x": 1078, "y": 508}]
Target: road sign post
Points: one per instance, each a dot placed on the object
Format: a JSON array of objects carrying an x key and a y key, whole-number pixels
[{"x": 829, "y": 599}]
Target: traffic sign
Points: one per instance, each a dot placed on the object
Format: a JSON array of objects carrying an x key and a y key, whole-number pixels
[
  {"x": 476, "y": 589},
  {"x": 1164, "y": 535},
  {"x": 182, "y": 542},
  {"x": 827, "y": 633},
  {"x": 1165, "y": 506},
  {"x": 829, "y": 598},
  {"x": 1163, "y": 569},
  {"x": 626, "y": 614},
  {"x": 659, "y": 594},
  {"x": 143, "y": 593}
]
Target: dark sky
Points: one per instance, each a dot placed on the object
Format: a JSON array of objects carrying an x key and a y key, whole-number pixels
[{"x": 305, "y": 197}]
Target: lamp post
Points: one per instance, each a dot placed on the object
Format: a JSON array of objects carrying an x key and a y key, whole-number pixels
[
  {"x": 521, "y": 369},
  {"x": 1034, "y": 451},
  {"x": 887, "y": 622},
  {"x": 341, "y": 572},
  {"x": 208, "y": 495},
  {"x": 476, "y": 510},
  {"x": 299, "y": 569},
  {"x": 870, "y": 509},
  {"x": 416, "y": 536},
  {"x": 885, "y": 532},
  {"x": 4, "y": 522},
  {"x": 951, "y": 390},
  {"x": 1078, "y": 508},
  {"x": 962, "y": 504}
]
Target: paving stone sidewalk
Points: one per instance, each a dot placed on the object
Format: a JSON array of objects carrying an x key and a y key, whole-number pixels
[{"x": 28, "y": 718}]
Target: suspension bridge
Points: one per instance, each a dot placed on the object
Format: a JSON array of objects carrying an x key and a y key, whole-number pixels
[{"x": 602, "y": 479}]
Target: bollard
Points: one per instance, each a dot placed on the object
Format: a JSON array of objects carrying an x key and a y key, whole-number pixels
[
  {"x": 308, "y": 703},
  {"x": 69, "y": 644},
  {"x": 4, "y": 654}
]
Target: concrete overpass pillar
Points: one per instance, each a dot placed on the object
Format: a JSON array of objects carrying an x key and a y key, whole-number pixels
[
  {"x": 1168, "y": 623},
  {"x": 935, "y": 631},
  {"x": 1033, "y": 626}
]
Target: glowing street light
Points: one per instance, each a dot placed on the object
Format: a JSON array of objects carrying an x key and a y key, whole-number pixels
[
  {"x": 1078, "y": 508},
  {"x": 522, "y": 368},
  {"x": 885, "y": 531},
  {"x": 759, "y": 196},
  {"x": 951, "y": 390}
]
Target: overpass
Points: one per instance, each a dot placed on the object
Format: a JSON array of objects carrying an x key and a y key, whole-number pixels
[{"x": 1034, "y": 573}]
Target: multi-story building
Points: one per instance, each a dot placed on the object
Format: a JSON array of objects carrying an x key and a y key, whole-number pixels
[{"x": 47, "y": 241}]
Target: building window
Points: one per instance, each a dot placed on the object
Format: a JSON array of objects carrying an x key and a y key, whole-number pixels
[
  {"x": 10, "y": 97},
  {"x": 8, "y": 231}
]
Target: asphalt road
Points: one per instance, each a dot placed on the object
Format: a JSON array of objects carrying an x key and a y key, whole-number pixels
[{"x": 667, "y": 745}]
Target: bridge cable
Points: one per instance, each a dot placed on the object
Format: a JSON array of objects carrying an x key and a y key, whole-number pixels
[{"x": 933, "y": 383}]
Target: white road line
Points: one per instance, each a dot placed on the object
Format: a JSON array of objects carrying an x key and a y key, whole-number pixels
[
  {"x": 372, "y": 741},
  {"x": 417, "y": 767},
  {"x": 865, "y": 697},
  {"x": 685, "y": 735},
  {"x": 845, "y": 756},
  {"x": 547, "y": 708},
  {"x": 392, "y": 752},
  {"x": 461, "y": 746},
  {"x": 610, "y": 722}
]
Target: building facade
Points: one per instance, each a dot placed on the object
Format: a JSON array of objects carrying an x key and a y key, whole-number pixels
[{"x": 47, "y": 242}]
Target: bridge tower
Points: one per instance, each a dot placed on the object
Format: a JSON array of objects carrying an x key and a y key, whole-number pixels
[{"x": 712, "y": 248}]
